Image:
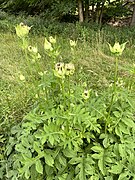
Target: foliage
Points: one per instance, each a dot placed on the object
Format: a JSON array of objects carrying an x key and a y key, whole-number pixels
[{"x": 72, "y": 131}]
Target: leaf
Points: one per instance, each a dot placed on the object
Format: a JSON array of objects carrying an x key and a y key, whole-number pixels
[
  {"x": 116, "y": 169},
  {"x": 122, "y": 151},
  {"x": 49, "y": 160},
  {"x": 27, "y": 173},
  {"x": 128, "y": 122},
  {"x": 96, "y": 156},
  {"x": 75, "y": 160},
  {"x": 69, "y": 153},
  {"x": 123, "y": 176},
  {"x": 39, "y": 167},
  {"x": 97, "y": 149},
  {"x": 51, "y": 140},
  {"x": 62, "y": 160},
  {"x": 101, "y": 165},
  {"x": 117, "y": 114}
]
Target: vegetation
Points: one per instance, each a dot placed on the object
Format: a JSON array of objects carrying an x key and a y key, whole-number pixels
[
  {"x": 67, "y": 98},
  {"x": 99, "y": 11}
]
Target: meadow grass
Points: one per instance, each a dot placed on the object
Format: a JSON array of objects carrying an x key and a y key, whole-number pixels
[{"x": 91, "y": 54}]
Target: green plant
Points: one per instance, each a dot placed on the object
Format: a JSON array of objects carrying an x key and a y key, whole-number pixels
[{"x": 72, "y": 131}]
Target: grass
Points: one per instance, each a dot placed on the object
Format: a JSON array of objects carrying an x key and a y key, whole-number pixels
[{"x": 92, "y": 54}]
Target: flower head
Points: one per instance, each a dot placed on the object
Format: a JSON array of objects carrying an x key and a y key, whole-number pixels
[
  {"x": 86, "y": 94},
  {"x": 52, "y": 40},
  {"x": 117, "y": 49},
  {"x": 69, "y": 69},
  {"x": 47, "y": 45},
  {"x": 32, "y": 49},
  {"x": 73, "y": 43},
  {"x": 22, "y": 30},
  {"x": 59, "y": 70},
  {"x": 22, "y": 77}
]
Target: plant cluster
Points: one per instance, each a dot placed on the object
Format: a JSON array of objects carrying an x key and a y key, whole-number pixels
[{"x": 72, "y": 133}]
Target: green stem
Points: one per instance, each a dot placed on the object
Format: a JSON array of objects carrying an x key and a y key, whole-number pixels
[
  {"x": 113, "y": 93},
  {"x": 69, "y": 92}
]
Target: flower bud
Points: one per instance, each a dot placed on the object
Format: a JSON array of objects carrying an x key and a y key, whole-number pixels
[
  {"x": 47, "y": 45},
  {"x": 69, "y": 69},
  {"x": 73, "y": 43},
  {"x": 52, "y": 40},
  {"x": 22, "y": 30}
]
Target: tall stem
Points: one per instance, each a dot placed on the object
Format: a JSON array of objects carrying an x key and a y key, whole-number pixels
[{"x": 113, "y": 93}]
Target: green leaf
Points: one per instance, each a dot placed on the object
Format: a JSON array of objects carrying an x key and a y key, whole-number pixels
[
  {"x": 27, "y": 173},
  {"x": 97, "y": 149},
  {"x": 123, "y": 176},
  {"x": 128, "y": 122},
  {"x": 62, "y": 160},
  {"x": 39, "y": 167},
  {"x": 122, "y": 151},
  {"x": 116, "y": 169},
  {"x": 101, "y": 165},
  {"x": 49, "y": 160},
  {"x": 69, "y": 153},
  {"x": 96, "y": 156}
]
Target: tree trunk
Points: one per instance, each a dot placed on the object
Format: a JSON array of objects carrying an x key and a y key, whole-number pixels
[
  {"x": 80, "y": 10},
  {"x": 97, "y": 12},
  {"x": 101, "y": 12},
  {"x": 133, "y": 17},
  {"x": 86, "y": 10}
]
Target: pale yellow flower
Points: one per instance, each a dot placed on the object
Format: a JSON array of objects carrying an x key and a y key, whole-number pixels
[
  {"x": 73, "y": 43},
  {"x": 86, "y": 94},
  {"x": 117, "y": 49},
  {"x": 52, "y": 40},
  {"x": 32, "y": 49},
  {"x": 22, "y": 30},
  {"x": 69, "y": 69},
  {"x": 59, "y": 70},
  {"x": 22, "y": 77},
  {"x": 47, "y": 45}
]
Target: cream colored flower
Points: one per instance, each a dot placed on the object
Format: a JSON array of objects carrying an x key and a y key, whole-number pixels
[
  {"x": 69, "y": 69},
  {"x": 59, "y": 70},
  {"x": 52, "y": 40},
  {"x": 32, "y": 49},
  {"x": 22, "y": 78},
  {"x": 73, "y": 43},
  {"x": 22, "y": 30},
  {"x": 117, "y": 49},
  {"x": 86, "y": 94},
  {"x": 47, "y": 45}
]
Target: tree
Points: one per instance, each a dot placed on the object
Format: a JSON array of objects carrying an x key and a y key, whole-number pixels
[
  {"x": 133, "y": 16},
  {"x": 80, "y": 10}
]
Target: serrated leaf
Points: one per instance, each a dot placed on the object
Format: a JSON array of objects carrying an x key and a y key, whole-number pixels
[
  {"x": 75, "y": 160},
  {"x": 128, "y": 122},
  {"x": 69, "y": 153},
  {"x": 51, "y": 140},
  {"x": 27, "y": 173},
  {"x": 49, "y": 160},
  {"x": 122, "y": 151},
  {"x": 124, "y": 128},
  {"x": 97, "y": 149},
  {"x": 96, "y": 156},
  {"x": 123, "y": 176},
  {"x": 116, "y": 169},
  {"x": 62, "y": 160},
  {"x": 101, "y": 165},
  {"x": 39, "y": 167},
  {"x": 36, "y": 147},
  {"x": 117, "y": 114}
]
